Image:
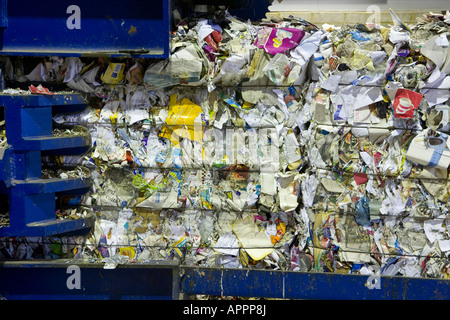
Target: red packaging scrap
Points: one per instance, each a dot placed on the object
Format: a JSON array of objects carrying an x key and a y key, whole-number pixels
[
  {"x": 40, "y": 90},
  {"x": 405, "y": 102}
]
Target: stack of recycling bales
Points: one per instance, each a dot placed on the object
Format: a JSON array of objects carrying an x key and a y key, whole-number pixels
[{"x": 271, "y": 144}]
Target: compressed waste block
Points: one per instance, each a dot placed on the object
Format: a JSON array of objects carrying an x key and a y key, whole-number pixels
[{"x": 268, "y": 144}]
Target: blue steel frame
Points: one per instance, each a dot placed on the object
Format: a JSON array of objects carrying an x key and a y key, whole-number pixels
[{"x": 29, "y": 133}]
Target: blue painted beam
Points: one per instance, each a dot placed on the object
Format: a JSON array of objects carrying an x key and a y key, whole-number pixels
[
  {"x": 54, "y": 280},
  {"x": 54, "y": 143},
  {"x": 130, "y": 28},
  {"x": 47, "y": 228},
  {"x": 41, "y": 186},
  {"x": 311, "y": 285},
  {"x": 41, "y": 100},
  {"x": 166, "y": 280}
]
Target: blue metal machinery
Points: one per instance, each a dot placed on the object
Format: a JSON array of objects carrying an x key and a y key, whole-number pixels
[
  {"x": 165, "y": 280},
  {"x": 121, "y": 29},
  {"x": 29, "y": 133},
  {"x": 70, "y": 280},
  {"x": 85, "y": 28}
]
